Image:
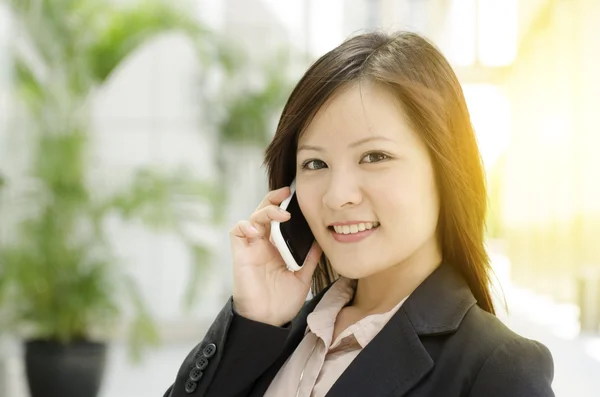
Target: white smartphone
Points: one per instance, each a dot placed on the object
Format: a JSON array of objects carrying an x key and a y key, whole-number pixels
[{"x": 292, "y": 238}]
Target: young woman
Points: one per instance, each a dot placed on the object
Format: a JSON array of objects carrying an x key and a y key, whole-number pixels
[{"x": 377, "y": 136}]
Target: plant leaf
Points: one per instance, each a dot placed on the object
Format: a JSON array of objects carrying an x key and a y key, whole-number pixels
[
  {"x": 202, "y": 256},
  {"x": 125, "y": 30}
]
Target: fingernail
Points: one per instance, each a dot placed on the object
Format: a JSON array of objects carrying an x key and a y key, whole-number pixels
[
  {"x": 255, "y": 230},
  {"x": 282, "y": 211}
]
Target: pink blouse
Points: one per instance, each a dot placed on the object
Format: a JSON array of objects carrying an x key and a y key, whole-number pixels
[{"x": 318, "y": 360}]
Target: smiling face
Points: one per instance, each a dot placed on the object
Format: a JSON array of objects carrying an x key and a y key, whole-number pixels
[{"x": 366, "y": 185}]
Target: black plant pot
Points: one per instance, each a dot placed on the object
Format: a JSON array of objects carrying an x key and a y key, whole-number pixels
[{"x": 74, "y": 369}]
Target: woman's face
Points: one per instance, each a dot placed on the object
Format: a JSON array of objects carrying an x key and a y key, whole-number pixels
[{"x": 365, "y": 183}]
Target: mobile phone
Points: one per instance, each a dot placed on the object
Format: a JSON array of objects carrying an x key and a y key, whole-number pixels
[{"x": 292, "y": 238}]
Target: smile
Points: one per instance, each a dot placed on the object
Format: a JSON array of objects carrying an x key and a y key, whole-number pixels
[
  {"x": 354, "y": 232},
  {"x": 354, "y": 228}
]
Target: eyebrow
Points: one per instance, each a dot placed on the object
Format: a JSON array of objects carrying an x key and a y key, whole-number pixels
[{"x": 353, "y": 144}]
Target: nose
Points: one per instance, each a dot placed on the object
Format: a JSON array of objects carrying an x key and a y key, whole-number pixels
[{"x": 343, "y": 191}]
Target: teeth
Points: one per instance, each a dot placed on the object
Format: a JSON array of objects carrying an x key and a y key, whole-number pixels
[{"x": 355, "y": 228}]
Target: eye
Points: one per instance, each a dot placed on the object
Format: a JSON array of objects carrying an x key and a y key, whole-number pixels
[
  {"x": 313, "y": 165},
  {"x": 374, "y": 157}
]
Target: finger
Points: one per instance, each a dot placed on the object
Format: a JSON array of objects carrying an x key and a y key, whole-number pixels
[
  {"x": 274, "y": 197},
  {"x": 262, "y": 218},
  {"x": 244, "y": 230},
  {"x": 310, "y": 264}
]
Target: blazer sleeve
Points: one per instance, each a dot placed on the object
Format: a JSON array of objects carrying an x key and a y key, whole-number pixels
[
  {"x": 233, "y": 354},
  {"x": 517, "y": 368}
]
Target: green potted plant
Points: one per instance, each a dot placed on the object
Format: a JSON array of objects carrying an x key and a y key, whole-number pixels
[{"x": 61, "y": 287}]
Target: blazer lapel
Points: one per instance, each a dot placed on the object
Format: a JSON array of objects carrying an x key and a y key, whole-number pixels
[{"x": 395, "y": 360}]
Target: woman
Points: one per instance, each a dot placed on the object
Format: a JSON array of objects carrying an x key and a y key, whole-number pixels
[{"x": 377, "y": 136}]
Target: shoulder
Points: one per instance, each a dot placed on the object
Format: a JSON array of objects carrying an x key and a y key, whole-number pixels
[{"x": 507, "y": 364}]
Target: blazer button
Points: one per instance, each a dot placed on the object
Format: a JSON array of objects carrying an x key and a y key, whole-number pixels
[
  {"x": 202, "y": 363},
  {"x": 190, "y": 386},
  {"x": 196, "y": 374},
  {"x": 209, "y": 350}
]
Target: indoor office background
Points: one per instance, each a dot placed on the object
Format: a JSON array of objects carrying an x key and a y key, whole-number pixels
[{"x": 164, "y": 152}]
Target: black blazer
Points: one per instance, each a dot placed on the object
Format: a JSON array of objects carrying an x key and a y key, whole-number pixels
[{"x": 439, "y": 344}]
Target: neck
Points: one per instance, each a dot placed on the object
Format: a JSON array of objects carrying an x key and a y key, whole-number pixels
[{"x": 382, "y": 291}]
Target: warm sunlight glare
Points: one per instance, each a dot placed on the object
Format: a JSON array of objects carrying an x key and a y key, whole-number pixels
[
  {"x": 490, "y": 115},
  {"x": 462, "y": 32},
  {"x": 497, "y": 32}
]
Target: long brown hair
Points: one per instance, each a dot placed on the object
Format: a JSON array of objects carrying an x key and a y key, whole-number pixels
[{"x": 423, "y": 81}]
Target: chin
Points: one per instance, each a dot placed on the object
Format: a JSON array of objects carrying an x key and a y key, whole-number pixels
[
  {"x": 354, "y": 267},
  {"x": 353, "y": 275},
  {"x": 358, "y": 270}
]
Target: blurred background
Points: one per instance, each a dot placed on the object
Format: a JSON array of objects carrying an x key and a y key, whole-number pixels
[{"x": 131, "y": 139}]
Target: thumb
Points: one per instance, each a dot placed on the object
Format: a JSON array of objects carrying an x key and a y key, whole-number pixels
[{"x": 310, "y": 264}]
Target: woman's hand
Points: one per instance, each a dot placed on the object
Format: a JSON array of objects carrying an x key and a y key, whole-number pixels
[{"x": 264, "y": 289}]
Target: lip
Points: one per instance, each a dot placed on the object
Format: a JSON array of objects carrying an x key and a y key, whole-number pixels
[
  {"x": 350, "y": 223},
  {"x": 353, "y": 237}
]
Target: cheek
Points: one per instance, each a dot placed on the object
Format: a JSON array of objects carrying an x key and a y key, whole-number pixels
[
  {"x": 430, "y": 195},
  {"x": 426, "y": 208},
  {"x": 411, "y": 201},
  {"x": 309, "y": 205}
]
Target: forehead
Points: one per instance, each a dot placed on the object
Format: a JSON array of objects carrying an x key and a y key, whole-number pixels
[{"x": 356, "y": 112}]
